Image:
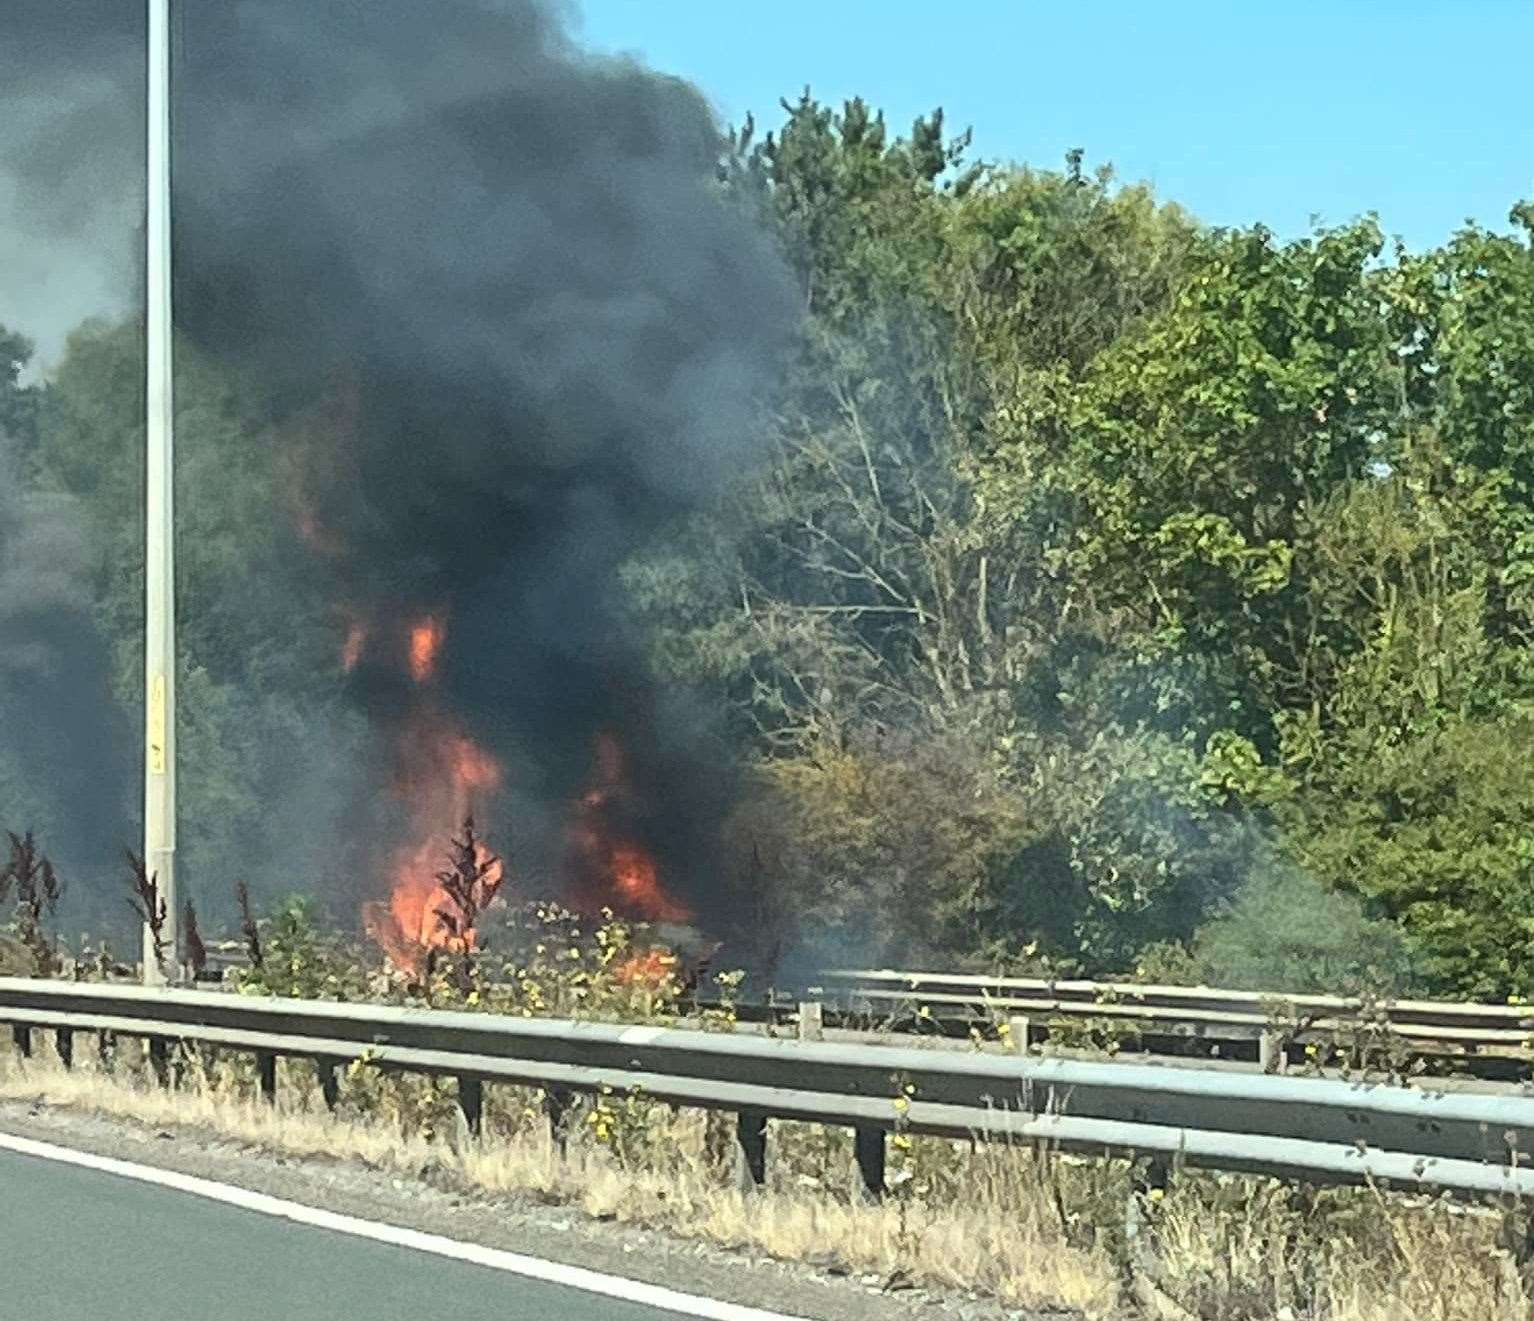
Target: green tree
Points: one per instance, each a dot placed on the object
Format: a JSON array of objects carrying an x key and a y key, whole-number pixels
[
  {"x": 1407, "y": 779},
  {"x": 1195, "y": 449},
  {"x": 1462, "y": 313}
]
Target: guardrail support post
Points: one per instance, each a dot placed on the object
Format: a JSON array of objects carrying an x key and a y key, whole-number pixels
[
  {"x": 106, "y": 1049},
  {"x": 556, "y": 1105},
  {"x": 1017, "y": 1032},
  {"x": 330, "y": 1087},
  {"x": 868, "y": 1155},
  {"x": 471, "y": 1103},
  {"x": 1144, "y": 1186},
  {"x": 750, "y": 1150},
  {"x": 1155, "y": 1177},
  {"x": 1270, "y": 1051},
  {"x": 21, "y": 1034},
  {"x": 64, "y": 1043},
  {"x": 159, "y": 1060},
  {"x": 812, "y": 1020},
  {"x": 266, "y": 1072}
]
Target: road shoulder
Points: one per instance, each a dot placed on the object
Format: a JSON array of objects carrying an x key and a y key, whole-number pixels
[{"x": 430, "y": 1202}]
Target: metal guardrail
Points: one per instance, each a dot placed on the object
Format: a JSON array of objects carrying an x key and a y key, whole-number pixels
[
  {"x": 1492, "y": 1040},
  {"x": 1320, "y": 1130},
  {"x": 1423, "y": 1027}
]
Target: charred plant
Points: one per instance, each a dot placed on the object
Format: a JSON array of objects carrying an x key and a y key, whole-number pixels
[
  {"x": 148, "y": 904},
  {"x": 469, "y": 883},
  {"x": 196, "y": 951},
  {"x": 249, "y": 929},
  {"x": 37, "y": 887}
]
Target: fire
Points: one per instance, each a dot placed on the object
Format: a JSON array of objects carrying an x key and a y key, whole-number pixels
[
  {"x": 652, "y": 968},
  {"x": 449, "y": 775},
  {"x": 311, "y": 530},
  {"x": 615, "y": 869},
  {"x": 637, "y": 882},
  {"x": 441, "y": 775},
  {"x": 351, "y": 649},
  {"x": 425, "y": 642}
]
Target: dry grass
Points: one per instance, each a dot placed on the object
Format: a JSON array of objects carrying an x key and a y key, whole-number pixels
[{"x": 1039, "y": 1232}]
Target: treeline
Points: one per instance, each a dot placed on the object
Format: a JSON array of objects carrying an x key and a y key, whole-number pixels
[
  {"x": 1121, "y": 592},
  {"x": 1121, "y": 581}
]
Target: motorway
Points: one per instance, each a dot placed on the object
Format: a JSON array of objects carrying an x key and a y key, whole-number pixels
[{"x": 77, "y": 1243}]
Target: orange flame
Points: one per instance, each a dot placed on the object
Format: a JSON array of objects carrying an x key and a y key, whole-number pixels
[
  {"x": 442, "y": 773},
  {"x": 637, "y": 881},
  {"x": 425, "y": 643},
  {"x": 449, "y": 773},
  {"x": 351, "y": 649},
  {"x": 618, "y": 871},
  {"x": 653, "y": 968},
  {"x": 311, "y": 528}
]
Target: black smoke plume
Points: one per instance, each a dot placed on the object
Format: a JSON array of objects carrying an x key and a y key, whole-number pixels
[{"x": 512, "y": 332}]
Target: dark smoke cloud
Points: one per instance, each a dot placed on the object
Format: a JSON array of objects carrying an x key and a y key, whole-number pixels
[{"x": 502, "y": 262}]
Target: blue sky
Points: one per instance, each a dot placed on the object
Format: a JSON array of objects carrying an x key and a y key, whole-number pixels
[{"x": 1241, "y": 111}]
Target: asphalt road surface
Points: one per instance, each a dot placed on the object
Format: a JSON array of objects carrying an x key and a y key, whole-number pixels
[{"x": 77, "y": 1244}]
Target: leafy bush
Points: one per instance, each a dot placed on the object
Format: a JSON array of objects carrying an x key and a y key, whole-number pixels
[
  {"x": 302, "y": 959},
  {"x": 1286, "y": 931}
]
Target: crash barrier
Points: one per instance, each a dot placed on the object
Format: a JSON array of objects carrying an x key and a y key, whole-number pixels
[
  {"x": 1316, "y": 1129},
  {"x": 1278, "y": 1024}
]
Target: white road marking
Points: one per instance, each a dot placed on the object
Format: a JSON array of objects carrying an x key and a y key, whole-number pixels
[{"x": 534, "y": 1268}]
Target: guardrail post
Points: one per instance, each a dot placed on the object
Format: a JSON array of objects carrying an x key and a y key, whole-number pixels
[
  {"x": 266, "y": 1073},
  {"x": 868, "y": 1157},
  {"x": 1270, "y": 1051},
  {"x": 1155, "y": 1176},
  {"x": 1145, "y": 1268},
  {"x": 159, "y": 1060},
  {"x": 556, "y": 1105},
  {"x": 106, "y": 1049},
  {"x": 1017, "y": 1032},
  {"x": 21, "y": 1034},
  {"x": 64, "y": 1043},
  {"x": 330, "y": 1086},
  {"x": 750, "y": 1150},
  {"x": 471, "y": 1103},
  {"x": 812, "y": 1020}
]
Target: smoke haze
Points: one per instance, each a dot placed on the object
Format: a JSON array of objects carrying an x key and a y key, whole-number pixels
[
  {"x": 71, "y": 163},
  {"x": 64, "y": 750}
]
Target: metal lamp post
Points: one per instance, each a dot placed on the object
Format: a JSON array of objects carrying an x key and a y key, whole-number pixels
[{"x": 159, "y": 546}]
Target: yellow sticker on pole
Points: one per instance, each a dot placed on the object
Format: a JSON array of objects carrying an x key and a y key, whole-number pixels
[{"x": 156, "y": 733}]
